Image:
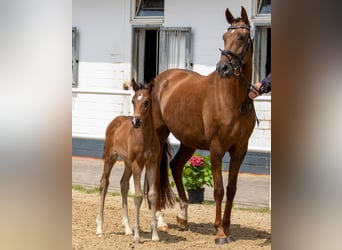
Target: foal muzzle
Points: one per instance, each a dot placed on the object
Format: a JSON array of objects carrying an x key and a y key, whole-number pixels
[{"x": 136, "y": 121}]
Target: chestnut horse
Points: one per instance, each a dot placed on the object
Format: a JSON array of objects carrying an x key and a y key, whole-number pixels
[
  {"x": 211, "y": 113},
  {"x": 138, "y": 146}
]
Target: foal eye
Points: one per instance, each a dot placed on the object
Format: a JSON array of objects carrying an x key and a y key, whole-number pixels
[{"x": 146, "y": 102}]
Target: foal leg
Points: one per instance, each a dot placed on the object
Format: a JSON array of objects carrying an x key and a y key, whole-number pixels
[
  {"x": 152, "y": 197},
  {"x": 161, "y": 224},
  {"x": 177, "y": 164},
  {"x": 138, "y": 197},
  {"x": 124, "y": 183},
  {"x": 104, "y": 183}
]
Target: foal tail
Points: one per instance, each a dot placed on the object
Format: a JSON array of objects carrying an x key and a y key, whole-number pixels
[{"x": 165, "y": 194}]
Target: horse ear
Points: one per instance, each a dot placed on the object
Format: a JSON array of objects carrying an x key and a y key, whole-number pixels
[
  {"x": 134, "y": 85},
  {"x": 244, "y": 16},
  {"x": 229, "y": 16}
]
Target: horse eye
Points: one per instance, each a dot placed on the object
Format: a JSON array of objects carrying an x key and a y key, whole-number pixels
[
  {"x": 146, "y": 102},
  {"x": 132, "y": 102}
]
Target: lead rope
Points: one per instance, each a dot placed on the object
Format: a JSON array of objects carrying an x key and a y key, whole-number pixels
[{"x": 248, "y": 101}]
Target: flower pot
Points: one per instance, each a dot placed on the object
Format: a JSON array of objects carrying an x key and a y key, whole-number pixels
[{"x": 196, "y": 196}]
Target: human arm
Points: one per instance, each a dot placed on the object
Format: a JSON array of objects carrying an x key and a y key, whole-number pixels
[{"x": 259, "y": 88}]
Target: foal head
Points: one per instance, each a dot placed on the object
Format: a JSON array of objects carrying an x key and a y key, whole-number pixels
[
  {"x": 141, "y": 102},
  {"x": 237, "y": 43}
]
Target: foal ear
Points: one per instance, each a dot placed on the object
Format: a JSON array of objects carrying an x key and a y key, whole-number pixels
[
  {"x": 151, "y": 85},
  {"x": 244, "y": 16},
  {"x": 134, "y": 85},
  {"x": 229, "y": 16}
]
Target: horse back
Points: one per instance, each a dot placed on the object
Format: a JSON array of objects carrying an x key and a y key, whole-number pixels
[{"x": 117, "y": 133}]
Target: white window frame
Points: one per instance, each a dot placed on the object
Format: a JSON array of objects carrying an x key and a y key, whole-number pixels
[
  {"x": 75, "y": 45},
  {"x": 138, "y": 20},
  {"x": 260, "y": 24}
]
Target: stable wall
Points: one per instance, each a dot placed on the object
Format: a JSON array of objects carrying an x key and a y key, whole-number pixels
[{"x": 105, "y": 41}]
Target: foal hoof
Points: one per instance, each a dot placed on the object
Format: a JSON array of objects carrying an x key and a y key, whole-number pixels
[
  {"x": 221, "y": 241},
  {"x": 181, "y": 223},
  {"x": 163, "y": 228},
  {"x": 137, "y": 241}
]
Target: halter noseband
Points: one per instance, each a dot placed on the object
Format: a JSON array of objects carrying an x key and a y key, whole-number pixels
[{"x": 240, "y": 58}]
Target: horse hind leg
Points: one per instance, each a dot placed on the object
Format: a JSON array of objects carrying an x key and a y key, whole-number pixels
[
  {"x": 124, "y": 183},
  {"x": 177, "y": 164},
  {"x": 104, "y": 183}
]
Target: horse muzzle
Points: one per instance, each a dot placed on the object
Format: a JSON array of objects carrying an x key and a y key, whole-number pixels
[
  {"x": 136, "y": 121},
  {"x": 224, "y": 70}
]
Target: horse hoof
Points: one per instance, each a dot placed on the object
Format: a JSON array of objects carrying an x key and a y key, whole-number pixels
[
  {"x": 230, "y": 239},
  {"x": 181, "y": 223},
  {"x": 221, "y": 241},
  {"x": 163, "y": 228},
  {"x": 99, "y": 235}
]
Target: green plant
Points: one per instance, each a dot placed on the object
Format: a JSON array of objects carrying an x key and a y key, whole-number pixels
[{"x": 197, "y": 172}]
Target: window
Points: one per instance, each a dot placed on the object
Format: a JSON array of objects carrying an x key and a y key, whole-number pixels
[
  {"x": 149, "y": 8},
  {"x": 174, "y": 49},
  {"x": 261, "y": 20},
  {"x": 156, "y": 49},
  {"x": 264, "y": 7},
  {"x": 147, "y": 11}
]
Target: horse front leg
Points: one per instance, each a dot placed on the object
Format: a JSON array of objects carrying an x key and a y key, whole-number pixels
[
  {"x": 177, "y": 164},
  {"x": 234, "y": 166},
  {"x": 104, "y": 183},
  {"x": 124, "y": 184},
  {"x": 216, "y": 166}
]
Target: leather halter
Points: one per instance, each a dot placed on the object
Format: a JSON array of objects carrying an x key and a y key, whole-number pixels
[{"x": 229, "y": 54}]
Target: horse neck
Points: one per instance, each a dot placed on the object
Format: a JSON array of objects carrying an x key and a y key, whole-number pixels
[{"x": 237, "y": 86}]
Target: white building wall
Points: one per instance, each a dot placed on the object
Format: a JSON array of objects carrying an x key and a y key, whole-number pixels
[
  {"x": 104, "y": 62},
  {"x": 105, "y": 38}
]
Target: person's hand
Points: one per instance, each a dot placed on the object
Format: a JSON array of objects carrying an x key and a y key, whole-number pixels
[{"x": 253, "y": 93}]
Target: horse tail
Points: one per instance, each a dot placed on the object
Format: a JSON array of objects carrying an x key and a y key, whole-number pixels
[{"x": 165, "y": 193}]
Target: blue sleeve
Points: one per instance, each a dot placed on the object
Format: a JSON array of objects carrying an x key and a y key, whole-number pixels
[{"x": 266, "y": 84}]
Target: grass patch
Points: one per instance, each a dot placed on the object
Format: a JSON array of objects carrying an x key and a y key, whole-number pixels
[
  {"x": 85, "y": 190},
  {"x": 242, "y": 208},
  {"x": 94, "y": 190},
  {"x": 254, "y": 209}
]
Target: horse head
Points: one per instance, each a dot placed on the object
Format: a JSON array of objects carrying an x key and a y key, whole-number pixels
[
  {"x": 141, "y": 102},
  {"x": 237, "y": 43}
]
